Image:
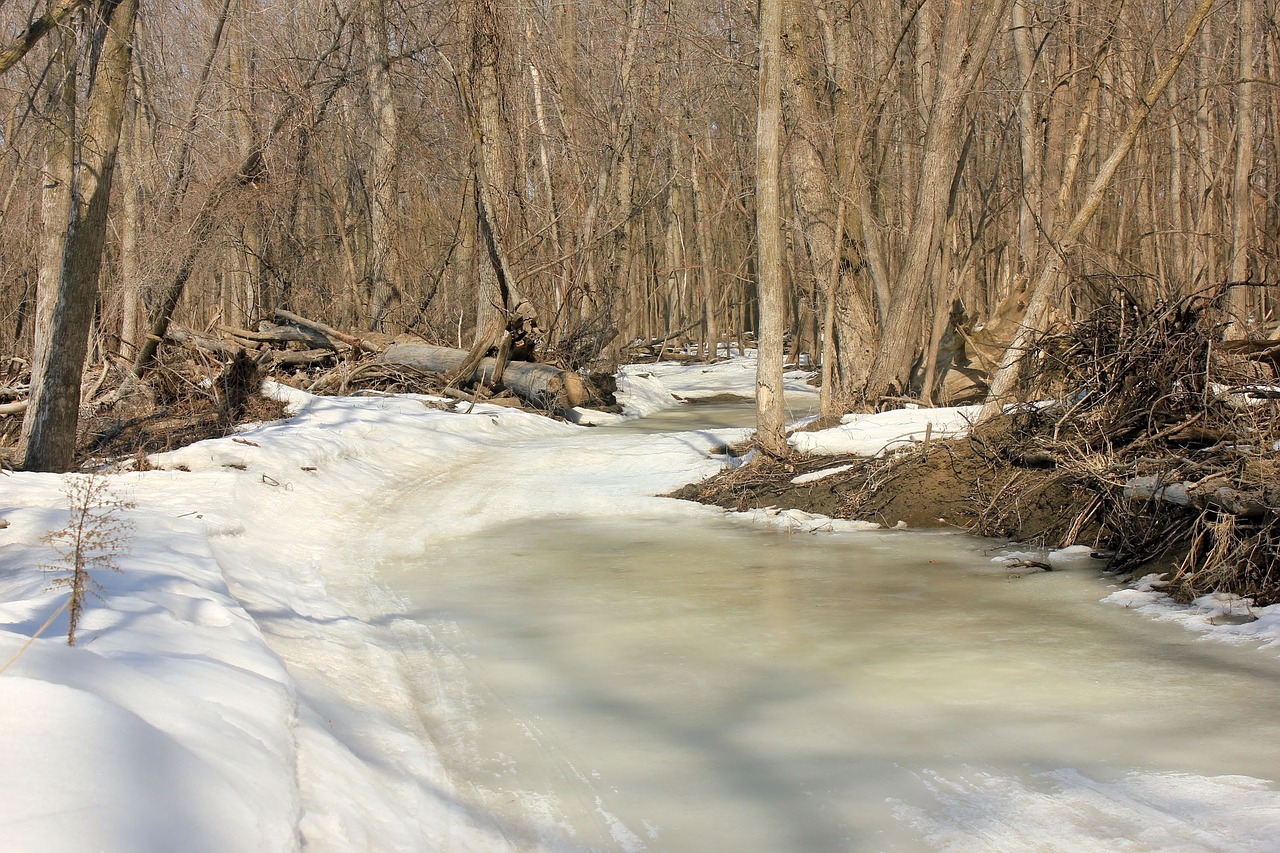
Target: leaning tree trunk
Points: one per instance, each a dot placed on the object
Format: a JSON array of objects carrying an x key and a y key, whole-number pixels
[
  {"x": 959, "y": 68},
  {"x": 53, "y": 413}
]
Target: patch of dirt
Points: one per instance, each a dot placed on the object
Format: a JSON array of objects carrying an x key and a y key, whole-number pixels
[{"x": 969, "y": 484}]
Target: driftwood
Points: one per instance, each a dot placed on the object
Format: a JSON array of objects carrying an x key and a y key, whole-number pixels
[{"x": 543, "y": 385}]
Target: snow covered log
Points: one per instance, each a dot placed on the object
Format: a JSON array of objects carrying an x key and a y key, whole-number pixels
[
  {"x": 543, "y": 385},
  {"x": 1202, "y": 495}
]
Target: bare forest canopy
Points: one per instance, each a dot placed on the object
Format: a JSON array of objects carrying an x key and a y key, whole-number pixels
[{"x": 440, "y": 168}]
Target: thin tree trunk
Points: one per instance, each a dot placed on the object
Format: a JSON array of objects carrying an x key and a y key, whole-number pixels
[
  {"x": 770, "y": 404},
  {"x": 1239, "y": 319},
  {"x": 131, "y": 304},
  {"x": 384, "y": 268},
  {"x": 706, "y": 276}
]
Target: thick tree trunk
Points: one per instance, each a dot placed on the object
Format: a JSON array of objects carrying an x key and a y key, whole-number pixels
[
  {"x": 53, "y": 415},
  {"x": 56, "y": 201}
]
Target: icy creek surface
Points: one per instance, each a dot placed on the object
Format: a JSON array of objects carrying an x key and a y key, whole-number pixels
[{"x": 689, "y": 681}]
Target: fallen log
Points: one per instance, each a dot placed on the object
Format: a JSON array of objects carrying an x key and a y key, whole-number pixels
[
  {"x": 1209, "y": 493},
  {"x": 203, "y": 342},
  {"x": 543, "y": 385}
]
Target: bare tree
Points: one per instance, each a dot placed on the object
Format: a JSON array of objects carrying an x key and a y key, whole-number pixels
[
  {"x": 53, "y": 414},
  {"x": 770, "y": 404}
]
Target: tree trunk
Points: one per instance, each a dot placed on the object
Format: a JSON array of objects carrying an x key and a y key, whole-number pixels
[
  {"x": 1239, "y": 314},
  {"x": 56, "y": 202},
  {"x": 384, "y": 270},
  {"x": 53, "y": 414},
  {"x": 770, "y": 405},
  {"x": 961, "y": 63},
  {"x": 131, "y": 304}
]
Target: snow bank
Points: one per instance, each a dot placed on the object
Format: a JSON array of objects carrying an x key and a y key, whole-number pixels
[
  {"x": 240, "y": 686},
  {"x": 170, "y": 727},
  {"x": 878, "y": 433},
  {"x": 644, "y": 389},
  {"x": 184, "y": 717}
]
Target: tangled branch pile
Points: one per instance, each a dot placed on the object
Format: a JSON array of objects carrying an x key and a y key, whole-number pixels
[
  {"x": 1165, "y": 439},
  {"x": 204, "y": 385}
]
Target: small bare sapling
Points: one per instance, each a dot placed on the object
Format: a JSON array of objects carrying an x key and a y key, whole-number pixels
[{"x": 96, "y": 534}]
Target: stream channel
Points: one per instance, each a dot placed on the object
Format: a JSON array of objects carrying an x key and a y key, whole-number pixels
[{"x": 710, "y": 684}]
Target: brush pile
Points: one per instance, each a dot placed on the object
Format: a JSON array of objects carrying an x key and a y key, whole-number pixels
[{"x": 1164, "y": 437}]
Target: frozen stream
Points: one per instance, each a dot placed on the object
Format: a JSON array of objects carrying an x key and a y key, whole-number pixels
[{"x": 692, "y": 682}]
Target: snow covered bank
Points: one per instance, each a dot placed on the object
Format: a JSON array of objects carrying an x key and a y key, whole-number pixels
[
  {"x": 644, "y": 389},
  {"x": 880, "y": 432},
  {"x": 176, "y": 724},
  {"x": 233, "y": 690}
]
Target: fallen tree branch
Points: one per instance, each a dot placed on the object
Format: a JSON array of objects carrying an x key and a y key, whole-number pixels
[
  {"x": 295, "y": 333},
  {"x": 327, "y": 331}
]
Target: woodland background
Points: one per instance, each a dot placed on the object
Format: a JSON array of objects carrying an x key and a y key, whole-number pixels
[{"x": 336, "y": 159}]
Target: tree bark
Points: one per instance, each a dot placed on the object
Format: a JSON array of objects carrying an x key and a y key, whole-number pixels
[
  {"x": 53, "y": 415},
  {"x": 770, "y": 405}
]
